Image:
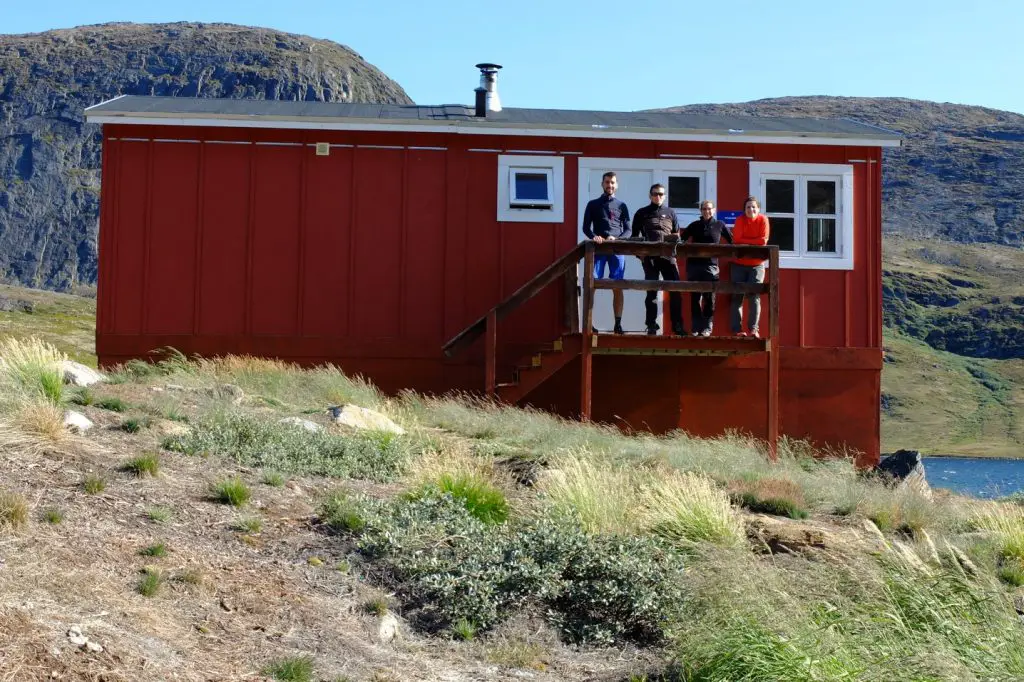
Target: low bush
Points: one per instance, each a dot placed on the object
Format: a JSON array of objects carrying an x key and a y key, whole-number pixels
[
  {"x": 231, "y": 491},
  {"x": 94, "y": 485},
  {"x": 150, "y": 582},
  {"x": 342, "y": 513},
  {"x": 291, "y": 669},
  {"x": 447, "y": 566},
  {"x": 13, "y": 510},
  {"x": 157, "y": 550},
  {"x": 30, "y": 371},
  {"x": 143, "y": 465},
  {"x": 482, "y": 500},
  {"x": 281, "y": 447},
  {"x": 83, "y": 396},
  {"x": 778, "y": 497},
  {"x": 112, "y": 403},
  {"x": 134, "y": 425}
]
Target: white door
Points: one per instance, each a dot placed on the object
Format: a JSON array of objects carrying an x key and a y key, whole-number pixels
[{"x": 634, "y": 188}]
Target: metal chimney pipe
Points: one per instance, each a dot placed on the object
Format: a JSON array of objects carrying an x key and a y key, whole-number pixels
[
  {"x": 489, "y": 82},
  {"x": 481, "y": 102}
]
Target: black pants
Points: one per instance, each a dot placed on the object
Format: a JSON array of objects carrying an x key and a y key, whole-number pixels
[
  {"x": 702, "y": 306},
  {"x": 667, "y": 270}
]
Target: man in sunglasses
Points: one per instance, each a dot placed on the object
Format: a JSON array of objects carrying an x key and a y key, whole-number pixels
[
  {"x": 654, "y": 223},
  {"x": 706, "y": 230}
]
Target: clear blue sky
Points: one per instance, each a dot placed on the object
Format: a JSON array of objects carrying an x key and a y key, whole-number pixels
[{"x": 633, "y": 55}]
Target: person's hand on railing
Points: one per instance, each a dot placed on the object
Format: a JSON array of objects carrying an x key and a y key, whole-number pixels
[{"x": 598, "y": 239}]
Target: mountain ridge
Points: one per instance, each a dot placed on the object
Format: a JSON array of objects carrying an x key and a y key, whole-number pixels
[{"x": 50, "y": 158}]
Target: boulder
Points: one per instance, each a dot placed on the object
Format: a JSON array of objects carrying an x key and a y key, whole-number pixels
[
  {"x": 76, "y": 422},
  {"x": 228, "y": 392},
  {"x": 361, "y": 418},
  {"x": 77, "y": 374},
  {"x": 387, "y": 629},
  {"x": 905, "y": 470},
  {"x": 301, "y": 423}
]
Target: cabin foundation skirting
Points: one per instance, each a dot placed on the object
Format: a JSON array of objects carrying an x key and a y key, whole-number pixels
[{"x": 829, "y": 396}]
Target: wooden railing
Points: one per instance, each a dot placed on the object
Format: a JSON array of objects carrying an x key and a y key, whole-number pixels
[{"x": 565, "y": 268}]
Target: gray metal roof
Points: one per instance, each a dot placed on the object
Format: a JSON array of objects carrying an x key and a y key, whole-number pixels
[{"x": 270, "y": 111}]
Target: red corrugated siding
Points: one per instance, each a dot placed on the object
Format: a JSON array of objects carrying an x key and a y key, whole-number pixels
[{"x": 373, "y": 257}]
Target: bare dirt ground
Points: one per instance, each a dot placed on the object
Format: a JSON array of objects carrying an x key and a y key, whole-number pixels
[{"x": 230, "y": 601}]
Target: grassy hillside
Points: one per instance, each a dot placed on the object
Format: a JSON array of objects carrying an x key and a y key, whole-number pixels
[
  {"x": 965, "y": 298},
  {"x": 194, "y": 535}
]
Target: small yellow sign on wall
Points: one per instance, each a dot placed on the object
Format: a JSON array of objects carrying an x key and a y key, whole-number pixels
[{"x": 323, "y": 149}]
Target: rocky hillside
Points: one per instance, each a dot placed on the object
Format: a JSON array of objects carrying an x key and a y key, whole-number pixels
[
  {"x": 49, "y": 158},
  {"x": 958, "y": 175}
]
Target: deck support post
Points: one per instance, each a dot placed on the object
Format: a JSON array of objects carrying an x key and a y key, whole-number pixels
[
  {"x": 773, "y": 354},
  {"x": 586, "y": 331},
  {"x": 490, "y": 352}
]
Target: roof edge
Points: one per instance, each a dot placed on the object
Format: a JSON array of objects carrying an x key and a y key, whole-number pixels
[{"x": 481, "y": 127}]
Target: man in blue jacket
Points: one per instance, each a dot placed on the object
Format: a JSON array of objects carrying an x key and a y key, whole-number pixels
[{"x": 607, "y": 219}]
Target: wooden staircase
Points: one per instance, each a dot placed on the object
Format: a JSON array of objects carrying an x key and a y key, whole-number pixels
[
  {"x": 533, "y": 370},
  {"x": 577, "y": 338}
]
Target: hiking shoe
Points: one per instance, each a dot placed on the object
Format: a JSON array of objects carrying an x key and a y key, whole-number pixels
[
  {"x": 741, "y": 333},
  {"x": 678, "y": 330},
  {"x": 652, "y": 330},
  {"x": 755, "y": 332},
  {"x": 618, "y": 329},
  {"x": 706, "y": 331}
]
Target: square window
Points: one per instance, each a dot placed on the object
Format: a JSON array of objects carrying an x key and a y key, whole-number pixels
[
  {"x": 781, "y": 233},
  {"x": 821, "y": 235},
  {"x": 811, "y": 209},
  {"x": 530, "y": 188},
  {"x": 821, "y": 197},
  {"x": 780, "y": 196},
  {"x": 684, "y": 192}
]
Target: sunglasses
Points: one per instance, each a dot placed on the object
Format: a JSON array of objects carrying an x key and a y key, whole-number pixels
[{"x": 657, "y": 194}]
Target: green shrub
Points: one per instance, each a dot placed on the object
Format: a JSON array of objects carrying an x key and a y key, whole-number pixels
[
  {"x": 274, "y": 479},
  {"x": 113, "y": 404},
  {"x": 342, "y": 513},
  {"x": 232, "y": 491},
  {"x": 157, "y": 550},
  {"x": 53, "y": 516},
  {"x": 376, "y": 607},
  {"x": 483, "y": 500},
  {"x": 13, "y": 509},
  {"x": 94, "y": 484},
  {"x": 1012, "y": 574},
  {"x": 158, "y": 514},
  {"x": 143, "y": 465},
  {"x": 83, "y": 396},
  {"x": 464, "y": 629},
  {"x": 448, "y": 566},
  {"x": 135, "y": 425},
  {"x": 150, "y": 582},
  {"x": 51, "y": 386},
  {"x": 776, "y": 506},
  {"x": 291, "y": 669},
  {"x": 249, "y": 524},
  {"x": 281, "y": 447}
]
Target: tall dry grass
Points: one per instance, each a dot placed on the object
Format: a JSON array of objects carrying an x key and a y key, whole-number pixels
[{"x": 610, "y": 497}]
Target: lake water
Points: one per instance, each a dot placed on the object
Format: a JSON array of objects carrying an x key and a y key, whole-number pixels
[{"x": 976, "y": 476}]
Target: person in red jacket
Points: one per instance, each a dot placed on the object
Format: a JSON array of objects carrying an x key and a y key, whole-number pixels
[{"x": 751, "y": 228}]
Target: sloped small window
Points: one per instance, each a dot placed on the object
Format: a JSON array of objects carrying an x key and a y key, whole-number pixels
[
  {"x": 684, "y": 192},
  {"x": 531, "y": 188}
]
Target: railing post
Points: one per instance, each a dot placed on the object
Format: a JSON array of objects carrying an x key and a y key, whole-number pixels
[
  {"x": 572, "y": 301},
  {"x": 490, "y": 352},
  {"x": 773, "y": 353},
  {"x": 586, "y": 355}
]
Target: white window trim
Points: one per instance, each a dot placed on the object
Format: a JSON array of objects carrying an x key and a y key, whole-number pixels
[
  {"x": 553, "y": 166},
  {"x": 661, "y": 170},
  {"x": 843, "y": 173},
  {"x": 514, "y": 199}
]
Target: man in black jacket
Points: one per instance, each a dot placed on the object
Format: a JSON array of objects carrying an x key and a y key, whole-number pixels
[
  {"x": 707, "y": 230},
  {"x": 655, "y": 223}
]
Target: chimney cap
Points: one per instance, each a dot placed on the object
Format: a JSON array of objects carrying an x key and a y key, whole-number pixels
[{"x": 487, "y": 66}]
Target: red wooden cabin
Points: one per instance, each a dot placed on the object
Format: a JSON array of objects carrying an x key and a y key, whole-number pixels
[{"x": 377, "y": 236}]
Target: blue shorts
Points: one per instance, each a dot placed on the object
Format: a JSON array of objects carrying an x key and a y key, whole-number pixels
[{"x": 616, "y": 266}]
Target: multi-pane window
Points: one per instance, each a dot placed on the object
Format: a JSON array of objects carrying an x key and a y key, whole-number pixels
[{"x": 810, "y": 212}]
